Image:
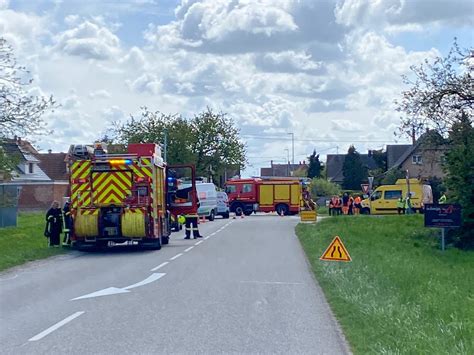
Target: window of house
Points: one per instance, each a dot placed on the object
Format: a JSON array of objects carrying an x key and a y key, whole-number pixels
[
  {"x": 31, "y": 168},
  {"x": 393, "y": 194},
  {"x": 416, "y": 159},
  {"x": 246, "y": 188}
]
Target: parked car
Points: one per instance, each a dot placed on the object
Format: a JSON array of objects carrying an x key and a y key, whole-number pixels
[
  {"x": 223, "y": 205},
  {"x": 207, "y": 196}
]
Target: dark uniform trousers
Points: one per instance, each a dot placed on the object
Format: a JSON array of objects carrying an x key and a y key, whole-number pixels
[{"x": 192, "y": 224}]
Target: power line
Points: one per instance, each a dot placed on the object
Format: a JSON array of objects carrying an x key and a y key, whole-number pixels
[{"x": 344, "y": 140}]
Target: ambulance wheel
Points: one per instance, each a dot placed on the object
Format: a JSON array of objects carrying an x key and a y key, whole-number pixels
[
  {"x": 365, "y": 211},
  {"x": 165, "y": 240}
]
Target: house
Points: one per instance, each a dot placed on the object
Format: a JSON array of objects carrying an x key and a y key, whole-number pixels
[
  {"x": 395, "y": 152},
  {"x": 335, "y": 162},
  {"x": 284, "y": 170},
  {"x": 41, "y": 178},
  {"x": 424, "y": 159}
]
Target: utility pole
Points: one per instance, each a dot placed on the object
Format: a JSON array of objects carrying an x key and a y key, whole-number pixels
[
  {"x": 287, "y": 161},
  {"x": 166, "y": 146},
  {"x": 292, "y": 148}
]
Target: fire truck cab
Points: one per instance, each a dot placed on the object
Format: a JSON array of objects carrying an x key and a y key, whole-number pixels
[{"x": 126, "y": 198}]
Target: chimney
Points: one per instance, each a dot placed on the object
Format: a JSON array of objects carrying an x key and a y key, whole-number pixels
[
  {"x": 304, "y": 162},
  {"x": 413, "y": 136},
  {"x": 271, "y": 163},
  {"x": 49, "y": 151}
]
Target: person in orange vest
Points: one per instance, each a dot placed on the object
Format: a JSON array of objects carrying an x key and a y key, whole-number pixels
[
  {"x": 345, "y": 203},
  {"x": 357, "y": 205}
]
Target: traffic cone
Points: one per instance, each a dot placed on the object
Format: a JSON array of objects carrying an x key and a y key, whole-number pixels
[
  {"x": 242, "y": 215},
  {"x": 281, "y": 213}
]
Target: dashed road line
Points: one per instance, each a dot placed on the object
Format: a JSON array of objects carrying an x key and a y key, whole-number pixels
[
  {"x": 176, "y": 256},
  {"x": 56, "y": 326},
  {"x": 206, "y": 238},
  {"x": 197, "y": 243},
  {"x": 186, "y": 250},
  {"x": 160, "y": 266}
]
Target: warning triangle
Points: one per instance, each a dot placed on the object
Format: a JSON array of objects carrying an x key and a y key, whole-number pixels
[{"x": 336, "y": 251}]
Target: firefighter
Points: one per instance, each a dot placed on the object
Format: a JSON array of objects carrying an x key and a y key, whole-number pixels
[
  {"x": 401, "y": 205},
  {"x": 191, "y": 223},
  {"x": 53, "y": 224},
  {"x": 67, "y": 223}
]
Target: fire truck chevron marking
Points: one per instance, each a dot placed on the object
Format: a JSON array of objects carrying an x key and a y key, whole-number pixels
[
  {"x": 80, "y": 169},
  {"x": 113, "y": 188}
]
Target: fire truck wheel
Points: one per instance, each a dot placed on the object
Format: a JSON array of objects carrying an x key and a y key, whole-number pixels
[
  {"x": 248, "y": 213},
  {"x": 165, "y": 240},
  {"x": 239, "y": 209},
  {"x": 282, "y": 209},
  {"x": 152, "y": 244}
]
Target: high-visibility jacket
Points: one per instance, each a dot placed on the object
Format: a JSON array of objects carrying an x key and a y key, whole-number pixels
[
  {"x": 442, "y": 199},
  {"x": 401, "y": 203}
]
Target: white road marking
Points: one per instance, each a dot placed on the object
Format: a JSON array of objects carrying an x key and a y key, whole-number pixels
[
  {"x": 176, "y": 256},
  {"x": 149, "y": 279},
  {"x": 205, "y": 238},
  {"x": 160, "y": 266},
  {"x": 186, "y": 250},
  {"x": 105, "y": 292},
  {"x": 56, "y": 326},
  {"x": 272, "y": 282},
  {"x": 198, "y": 242}
]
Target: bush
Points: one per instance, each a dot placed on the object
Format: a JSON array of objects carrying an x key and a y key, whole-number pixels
[{"x": 322, "y": 187}]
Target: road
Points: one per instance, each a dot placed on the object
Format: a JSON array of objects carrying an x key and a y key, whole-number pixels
[{"x": 246, "y": 288}]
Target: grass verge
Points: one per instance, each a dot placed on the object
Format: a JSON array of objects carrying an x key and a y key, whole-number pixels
[
  {"x": 25, "y": 242},
  {"x": 400, "y": 294}
]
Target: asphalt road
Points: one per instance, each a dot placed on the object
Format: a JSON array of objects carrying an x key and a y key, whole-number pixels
[{"x": 247, "y": 288}]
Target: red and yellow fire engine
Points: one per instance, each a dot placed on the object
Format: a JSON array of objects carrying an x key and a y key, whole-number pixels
[{"x": 126, "y": 198}]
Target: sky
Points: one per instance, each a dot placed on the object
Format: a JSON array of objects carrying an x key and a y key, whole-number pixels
[{"x": 327, "y": 71}]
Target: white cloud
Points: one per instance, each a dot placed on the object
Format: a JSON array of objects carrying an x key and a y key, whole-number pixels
[
  {"x": 346, "y": 126},
  {"x": 89, "y": 40},
  {"x": 100, "y": 94},
  {"x": 406, "y": 14}
]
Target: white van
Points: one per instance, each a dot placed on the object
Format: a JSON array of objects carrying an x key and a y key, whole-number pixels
[{"x": 207, "y": 196}]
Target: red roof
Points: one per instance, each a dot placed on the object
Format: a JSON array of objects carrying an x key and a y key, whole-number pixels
[{"x": 54, "y": 165}]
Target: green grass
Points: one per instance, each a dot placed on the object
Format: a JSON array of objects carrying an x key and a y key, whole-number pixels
[
  {"x": 400, "y": 294},
  {"x": 25, "y": 242},
  {"x": 322, "y": 210}
]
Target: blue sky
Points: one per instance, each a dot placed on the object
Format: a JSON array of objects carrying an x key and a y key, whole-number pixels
[{"x": 328, "y": 71}]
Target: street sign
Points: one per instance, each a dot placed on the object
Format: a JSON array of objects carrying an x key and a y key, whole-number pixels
[
  {"x": 365, "y": 188},
  {"x": 336, "y": 251},
  {"x": 442, "y": 215}
]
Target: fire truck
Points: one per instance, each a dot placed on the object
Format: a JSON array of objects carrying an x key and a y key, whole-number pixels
[
  {"x": 126, "y": 198},
  {"x": 258, "y": 195}
]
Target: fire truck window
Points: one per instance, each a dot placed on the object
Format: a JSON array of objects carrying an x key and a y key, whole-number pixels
[
  {"x": 230, "y": 189},
  {"x": 247, "y": 188}
]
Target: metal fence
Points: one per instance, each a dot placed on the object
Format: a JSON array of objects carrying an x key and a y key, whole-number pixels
[{"x": 8, "y": 205}]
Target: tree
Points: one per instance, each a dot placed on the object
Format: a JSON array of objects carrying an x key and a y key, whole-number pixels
[
  {"x": 442, "y": 98},
  {"x": 215, "y": 143},
  {"x": 392, "y": 176},
  {"x": 209, "y": 140},
  {"x": 353, "y": 170},
  {"x": 321, "y": 187},
  {"x": 314, "y": 168},
  {"x": 20, "y": 112},
  {"x": 440, "y": 91},
  {"x": 459, "y": 166}
]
